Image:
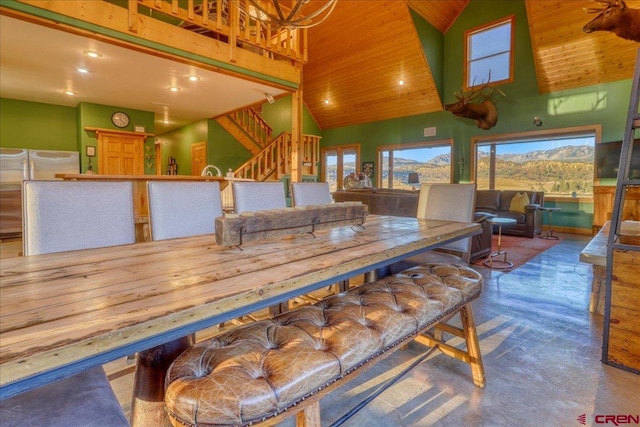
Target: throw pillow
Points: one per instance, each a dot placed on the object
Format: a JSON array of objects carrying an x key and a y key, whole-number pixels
[{"x": 518, "y": 202}]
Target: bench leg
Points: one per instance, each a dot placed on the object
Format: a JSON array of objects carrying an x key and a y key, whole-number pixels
[
  {"x": 473, "y": 346},
  {"x": 472, "y": 355},
  {"x": 310, "y": 417}
]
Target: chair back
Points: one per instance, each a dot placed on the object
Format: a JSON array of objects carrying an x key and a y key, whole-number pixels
[
  {"x": 258, "y": 196},
  {"x": 63, "y": 216},
  {"x": 183, "y": 209},
  {"x": 310, "y": 193},
  {"x": 452, "y": 202}
]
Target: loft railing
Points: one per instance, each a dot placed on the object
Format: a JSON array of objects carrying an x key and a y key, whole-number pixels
[
  {"x": 275, "y": 158},
  {"x": 228, "y": 22}
]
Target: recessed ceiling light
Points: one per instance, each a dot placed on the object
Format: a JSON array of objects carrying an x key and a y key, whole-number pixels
[
  {"x": 68, "y": 92},
  {"x": 82, "y": 70},
  {"x": 194, "y": 78},
  {"x": 174, "y": 89},
  {"x": 326, "y": 101},
  {"x": 92, "y": 53},
  {"x": 401, "y": 82},
  {"x": 166, "y": 122}
]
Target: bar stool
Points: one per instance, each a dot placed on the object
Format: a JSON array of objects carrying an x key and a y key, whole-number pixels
[{"x": 63, "y": 216}]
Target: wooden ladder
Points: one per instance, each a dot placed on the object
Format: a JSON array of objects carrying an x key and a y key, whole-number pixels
[{"x": 621, "y": 343}]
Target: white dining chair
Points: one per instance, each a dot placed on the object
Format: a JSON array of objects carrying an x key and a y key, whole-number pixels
[
  {"x": 183, "y": 209},
  {"x": 310, "y": 193},
  {"x": 64, "y": 216},
  {"x": 449, "y": 202},
  {"x": 258, "y": 196}
]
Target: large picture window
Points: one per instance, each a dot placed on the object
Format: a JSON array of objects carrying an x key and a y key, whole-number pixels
[
  {"x": 560, "y": 164},
  {"x": 407, "y": 166},
  {"x": 489, "y": 53}
]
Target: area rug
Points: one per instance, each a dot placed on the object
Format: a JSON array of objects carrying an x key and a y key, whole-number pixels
[{"x": 519, "y": 249}]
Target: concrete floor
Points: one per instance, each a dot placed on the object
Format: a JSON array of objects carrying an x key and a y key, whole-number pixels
[{"x": 541, "y": 350}]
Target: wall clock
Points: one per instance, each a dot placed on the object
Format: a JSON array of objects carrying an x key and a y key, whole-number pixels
[{"x": 120, "y": 119}]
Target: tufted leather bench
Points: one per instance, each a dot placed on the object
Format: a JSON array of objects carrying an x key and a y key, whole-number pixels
[{"x": 271, "y": 369}]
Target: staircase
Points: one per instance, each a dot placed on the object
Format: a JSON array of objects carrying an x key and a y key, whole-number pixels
[
  {"x": 271, "y": 157},
  {"x": 248, "y": 128}
]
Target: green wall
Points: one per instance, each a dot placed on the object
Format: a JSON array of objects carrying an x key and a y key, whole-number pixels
[
  {"x": 223, "y": 150},
  {"x": 37, "y": 126},
  {"x": 177, "y": 144},
  {"x": 99, "y": 116},
  {"x": 278, "y": 116}
]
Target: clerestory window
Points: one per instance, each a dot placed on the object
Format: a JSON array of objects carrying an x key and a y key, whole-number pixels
[{"x": 489, "y": 53}]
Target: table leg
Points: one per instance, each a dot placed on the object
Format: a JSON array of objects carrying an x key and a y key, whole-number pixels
[
  {"x": 147, "y": 406},
  {"x": 549, "y": 233},
  {"x": 502, "y": 264}
]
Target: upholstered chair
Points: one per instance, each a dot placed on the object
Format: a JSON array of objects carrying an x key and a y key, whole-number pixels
[
  {"x": 183, "y": 209},
  {"x": 450, "y": 202},
  {"x": 258, "y": 196},
  {"x": 65, "y": 216},
  {"x": 310, "y": 193}
]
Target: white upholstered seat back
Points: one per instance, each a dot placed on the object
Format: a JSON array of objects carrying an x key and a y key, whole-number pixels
[
  {"x": 70, "y": 215},
  {"x": 258, "y": 196},
  {"x": 452, "y": 202},
  {"x": 310, "y": 193},
  {"x": 183, "y": 209}
]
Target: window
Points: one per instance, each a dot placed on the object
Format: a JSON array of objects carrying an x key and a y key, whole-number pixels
[
  {"x": 489, "y": 53},
  {"x": 560, "y": 164},
  {"x": 338, "y": 162},
  {"x": 431, "y": 162}
]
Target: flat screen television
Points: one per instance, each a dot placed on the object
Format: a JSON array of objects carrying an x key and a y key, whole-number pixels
[{"x": 607, "y": 158}]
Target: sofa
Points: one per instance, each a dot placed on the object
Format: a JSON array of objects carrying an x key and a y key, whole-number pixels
[
  {"x": 405, "y": 203},
  {"x": 499, "y": 203}
]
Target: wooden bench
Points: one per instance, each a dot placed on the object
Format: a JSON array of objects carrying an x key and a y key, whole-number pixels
[{"x": 263, "y": 372}]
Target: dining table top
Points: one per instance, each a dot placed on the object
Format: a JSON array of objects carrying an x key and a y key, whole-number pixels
[{"x": 61, "y": 313}]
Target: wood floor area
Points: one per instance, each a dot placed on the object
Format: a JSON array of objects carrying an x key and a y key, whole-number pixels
[{"x": 541, "y": 349}]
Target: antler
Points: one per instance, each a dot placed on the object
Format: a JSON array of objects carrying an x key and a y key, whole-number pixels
[{"x": 609, "y": 3}]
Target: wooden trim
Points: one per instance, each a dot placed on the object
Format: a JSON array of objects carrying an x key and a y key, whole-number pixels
[{"x": 117, "y": 132}]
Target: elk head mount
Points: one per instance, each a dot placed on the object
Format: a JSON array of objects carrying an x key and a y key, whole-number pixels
[
  {"x": 617, "y": 18},
  {"x": 477, "y": 105}
]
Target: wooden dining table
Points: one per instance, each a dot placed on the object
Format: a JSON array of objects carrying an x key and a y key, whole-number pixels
[{"x": 65, "y": 312}]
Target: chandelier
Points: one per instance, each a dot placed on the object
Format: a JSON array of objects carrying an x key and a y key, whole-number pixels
[{"x": 288, "y": 13}]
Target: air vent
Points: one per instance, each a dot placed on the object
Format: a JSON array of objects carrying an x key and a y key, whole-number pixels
[{"x": 430, "y": 131}]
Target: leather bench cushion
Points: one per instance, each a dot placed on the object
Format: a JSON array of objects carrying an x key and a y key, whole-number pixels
[{"x": 258, "y": 370}]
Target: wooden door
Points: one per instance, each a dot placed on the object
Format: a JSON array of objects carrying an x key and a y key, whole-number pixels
[
  {"x": 198, "y": 157},
  {"x": 120, "y": 154}
]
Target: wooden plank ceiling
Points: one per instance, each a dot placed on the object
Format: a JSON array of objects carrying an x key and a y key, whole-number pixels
[{"x": 358, "y": 55}]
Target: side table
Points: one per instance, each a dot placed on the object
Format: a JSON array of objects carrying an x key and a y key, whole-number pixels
[
  {"x": 498, "y": 264},
  {"x": 549, "y": 233}
]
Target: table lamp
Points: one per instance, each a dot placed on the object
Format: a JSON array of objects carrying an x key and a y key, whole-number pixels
[{"x": 413, "y": 178}]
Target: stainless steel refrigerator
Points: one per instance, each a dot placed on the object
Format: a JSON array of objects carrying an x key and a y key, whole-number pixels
[{"x": 17, "y": 165}]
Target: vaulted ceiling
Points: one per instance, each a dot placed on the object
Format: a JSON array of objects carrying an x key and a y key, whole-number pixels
[{"x": 354, "y": 63}]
